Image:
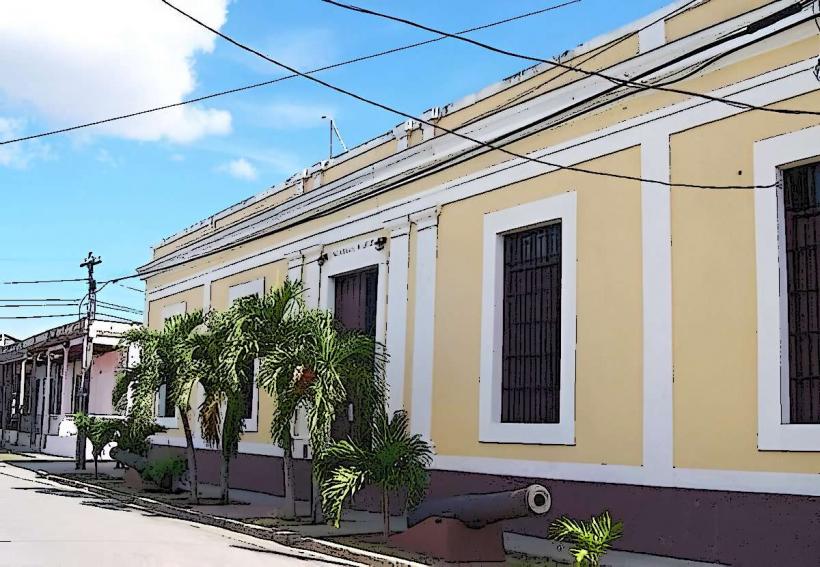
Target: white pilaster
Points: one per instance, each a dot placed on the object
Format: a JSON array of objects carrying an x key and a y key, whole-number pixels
[
  {"x": 65, "y": 402},
  {"x": 311, "y": 275},
  {"x": 423, "y": 341},
  {"x": 657, "y": 305},
  {"x": 295, "y": 266},
  {"x": 395, "y": 342},
  {"x": 45, "y": 414}
]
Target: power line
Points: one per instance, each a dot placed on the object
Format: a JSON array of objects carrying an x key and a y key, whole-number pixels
[
  {"x": 592, "y": 55},
  {"x": 18, "y": 305},
  {"x": 149, "y": 273},
  {"x": 37, "y": 316},
  {"x": 447, "y": 130},
  {"x": 131, "y": 288},
  {"x": 40, "y": 299},
  {"x": 287, "y": 77},
  {"x": 64, "y": 280},
  {"x": 790, "y": 10}
]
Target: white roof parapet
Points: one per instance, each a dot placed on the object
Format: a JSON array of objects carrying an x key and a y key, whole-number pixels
[{"x": 435, "y": 113}]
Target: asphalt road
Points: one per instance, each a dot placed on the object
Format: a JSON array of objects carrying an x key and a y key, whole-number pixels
[{"x": 46, "y": 524}]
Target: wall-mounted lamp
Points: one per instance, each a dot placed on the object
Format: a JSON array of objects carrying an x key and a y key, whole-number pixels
[
  {"x": 321, "y": 260},
  {"x": 380, "y": 242}
]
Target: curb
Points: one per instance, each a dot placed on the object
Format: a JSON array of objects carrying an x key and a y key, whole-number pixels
[{"x": 280, "y": 536}]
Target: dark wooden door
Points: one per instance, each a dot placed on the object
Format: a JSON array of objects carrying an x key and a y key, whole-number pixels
[
  {"x": 355, "y": 299},
  {"x": 355, "y": 308}
]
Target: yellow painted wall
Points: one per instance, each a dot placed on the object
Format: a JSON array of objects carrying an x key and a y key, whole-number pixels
[
  {"x": 274, "y": 275},
  {"x": 191, "y": 297},
  {"x": 609, "y": 348},
  {"x": 715, "y": 296}
]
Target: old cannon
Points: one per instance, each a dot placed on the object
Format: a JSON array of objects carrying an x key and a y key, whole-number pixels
[
  {"x": 136, "y": 465},
  {"x": 468, "y": 528}
]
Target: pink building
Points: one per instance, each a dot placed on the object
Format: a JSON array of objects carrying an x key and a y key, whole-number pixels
[{"x": 42, "y": 383}]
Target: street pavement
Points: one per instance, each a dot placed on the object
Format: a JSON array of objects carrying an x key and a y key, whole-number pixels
[{"x": 46, "y": 524}]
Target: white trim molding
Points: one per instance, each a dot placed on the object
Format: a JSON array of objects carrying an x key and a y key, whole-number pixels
[
  {"x": 171, "y": 421},
  {"x": 349, "y": 258},
  {"x": 245, "y": 289},
  {"x": 773, "y": 430},
  {"x": 421, "y": 415},
  {"x": 173, "y": 309},
  {"x": 396, "y": 334},
  {"x": 561, "y": 208},
  {"x": 656, "y": 227}
]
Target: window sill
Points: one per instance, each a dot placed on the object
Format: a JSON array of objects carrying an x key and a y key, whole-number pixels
[
  {"x": 168, "y": 422},
  {"x": 789, "y": 437},
  {"x": 251, "y": 425},
  {"x": 527, "y": 433}
]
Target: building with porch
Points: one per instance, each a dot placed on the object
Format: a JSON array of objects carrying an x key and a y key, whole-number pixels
[
  {"x": 42, "y": 383},
  {"x": 625, "y": 309}
]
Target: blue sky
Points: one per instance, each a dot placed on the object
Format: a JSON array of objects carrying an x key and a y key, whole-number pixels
[{"x": 117, "y": 190}]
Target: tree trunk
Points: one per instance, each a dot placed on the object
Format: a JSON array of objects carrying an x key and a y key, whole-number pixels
[
  {"x": 386, "y": 513},
  {"x": 316, "y": 514},
  {"x": 80, "y": 454},
  {"x": 289, "y": 508},
  {"x": 192, "y": 470},
  {"x": 96, "y": 472},
  {"x": 225, "y": 474}
]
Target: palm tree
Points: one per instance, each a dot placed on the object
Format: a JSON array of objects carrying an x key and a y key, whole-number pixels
[
  {"x": 322, "y": 367},
  {"x": 590, "y": 539},
  {"x": 99, "y": 432},
  {"x": 223, "y": 384},
  {"x": 164, "y": 361},
  {"x": 394, "y": 460},
  {"x": 261, "y": 327}
]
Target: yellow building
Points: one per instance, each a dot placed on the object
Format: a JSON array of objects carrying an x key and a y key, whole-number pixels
[{"x": 627, "y": 309}]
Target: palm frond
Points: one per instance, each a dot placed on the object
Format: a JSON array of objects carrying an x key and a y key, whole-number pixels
[{"x": 590, "y": 539}]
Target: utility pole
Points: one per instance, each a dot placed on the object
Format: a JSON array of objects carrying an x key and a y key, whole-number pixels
[{"x": 88, "y": 353}]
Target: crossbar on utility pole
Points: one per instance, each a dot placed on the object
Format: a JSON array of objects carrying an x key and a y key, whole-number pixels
[{"x": 88, "y": 353}]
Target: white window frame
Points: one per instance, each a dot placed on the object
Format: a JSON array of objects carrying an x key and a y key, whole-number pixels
[
  {"x": 771, "y": 156},
  {"x": 245, "y": 289},
  {"x": 168, "y": 311},
  {"x": 562, "y": 208}
]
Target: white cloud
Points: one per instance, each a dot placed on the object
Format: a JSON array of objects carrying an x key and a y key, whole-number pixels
[
  {"x": 89, "y": 59},
  {"x": 305, "y": 49},
  {"x": 240, "y": 168},
  {"x": 104, "y": 156},
  {"x": 21, "y": 154},
  {"x": 287, "y": 115}
]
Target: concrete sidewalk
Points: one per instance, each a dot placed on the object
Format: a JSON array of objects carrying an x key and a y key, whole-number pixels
[{"x": 260, "y": 505}]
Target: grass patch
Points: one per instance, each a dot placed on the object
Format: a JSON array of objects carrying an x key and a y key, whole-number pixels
[
  {"x": 117, "y": 484},
  {"x": 270, "y": 522},
  {"x": 374, "y": 544},
  {"x": 6, "y": 456}
]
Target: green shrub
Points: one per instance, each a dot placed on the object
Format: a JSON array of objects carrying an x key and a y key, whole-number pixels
[
  {"x": 163, "y": 472},
  {"x": 590, "y": 539}
]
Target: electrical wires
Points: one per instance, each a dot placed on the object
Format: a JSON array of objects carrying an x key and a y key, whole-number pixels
[
  {"x": 796, "y": 8},
  {"x": 501, "y": 149},
  {"x": 287, "y": 77}
]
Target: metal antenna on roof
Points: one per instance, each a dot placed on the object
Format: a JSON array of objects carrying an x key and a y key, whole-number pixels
[{"x": 334, "y": 131}]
